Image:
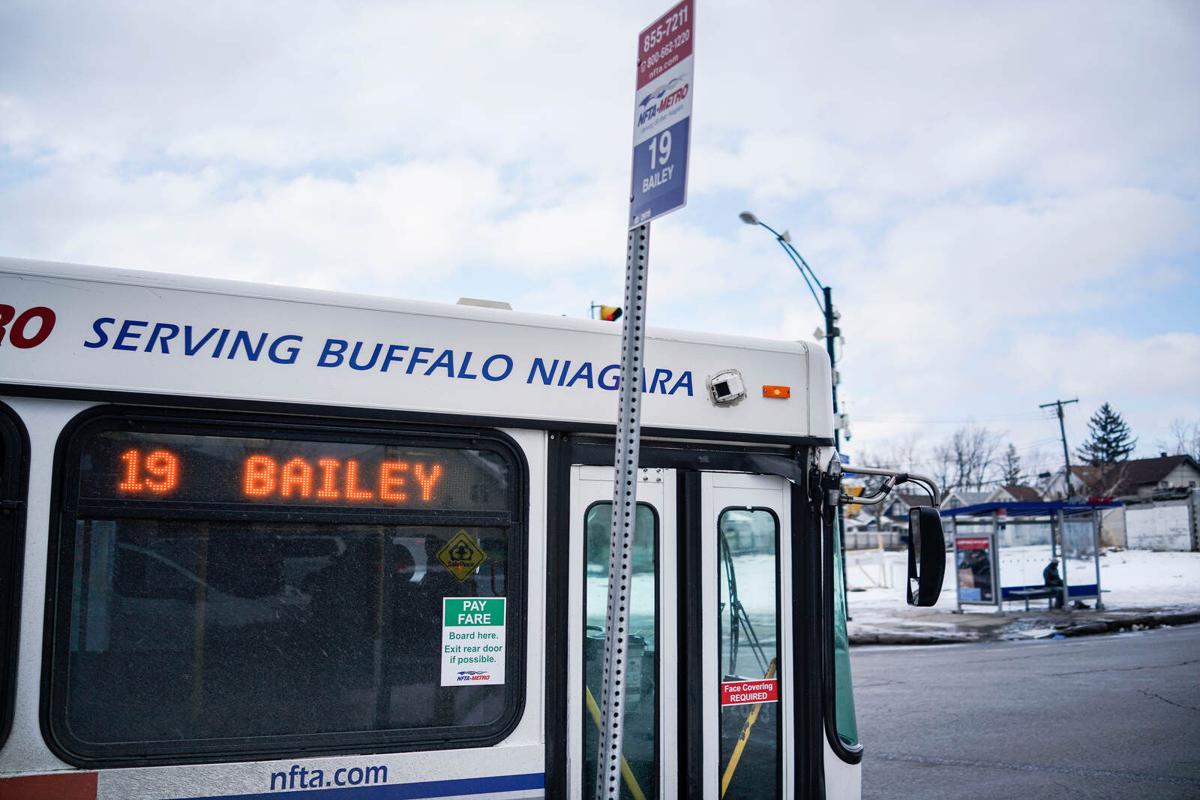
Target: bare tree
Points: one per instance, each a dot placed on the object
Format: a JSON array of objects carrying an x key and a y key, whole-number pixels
[
  {"x": 943, "y": 468},
  {"x": 1185, "y": 438},
  {"x": 904, "y": 453},
  {"x": 967, "y": 459}
]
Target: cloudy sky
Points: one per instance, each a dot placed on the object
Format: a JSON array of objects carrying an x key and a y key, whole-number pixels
[{"x": 1005, "y": 197}]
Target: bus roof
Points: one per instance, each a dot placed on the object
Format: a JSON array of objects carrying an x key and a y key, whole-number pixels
[{"x": 125, "y": 331}]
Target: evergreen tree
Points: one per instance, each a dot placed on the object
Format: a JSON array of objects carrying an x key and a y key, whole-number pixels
[
  {"x": 1109, "y": 439},
  {"x": 1010, "y": 467}
]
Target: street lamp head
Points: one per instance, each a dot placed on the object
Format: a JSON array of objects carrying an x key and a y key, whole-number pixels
[{"x": 748, "y": 218}]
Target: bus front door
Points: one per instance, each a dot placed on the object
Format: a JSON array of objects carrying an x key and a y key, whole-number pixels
[
  {"x": 723, "y": 640},
  {"x": 746, "y": 625}
]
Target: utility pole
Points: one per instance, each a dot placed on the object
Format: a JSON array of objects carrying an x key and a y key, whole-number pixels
[{"x": 1062, "y": 429}]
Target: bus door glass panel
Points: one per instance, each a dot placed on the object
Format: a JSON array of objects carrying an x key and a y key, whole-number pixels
[
  {"x": 746, "y": 656},
  {"x": 648, "y": 769}
]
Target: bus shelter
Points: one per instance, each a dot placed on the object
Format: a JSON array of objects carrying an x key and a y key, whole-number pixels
[{"x": 1003, "y": 552}]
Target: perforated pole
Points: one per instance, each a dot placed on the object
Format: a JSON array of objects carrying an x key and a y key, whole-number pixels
[{"x": 624, "y": 514}]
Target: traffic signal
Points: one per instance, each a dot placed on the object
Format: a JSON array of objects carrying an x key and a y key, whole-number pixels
[{"x": 610, "y": 313}]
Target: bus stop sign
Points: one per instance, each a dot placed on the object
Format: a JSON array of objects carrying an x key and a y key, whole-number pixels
[{"x": 662, "y": 115}]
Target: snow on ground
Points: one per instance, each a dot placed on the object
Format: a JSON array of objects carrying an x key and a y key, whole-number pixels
[{"x": 1128, "y": 579}]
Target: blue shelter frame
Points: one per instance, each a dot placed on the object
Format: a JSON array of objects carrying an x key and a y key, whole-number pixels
[{"x": 991, "y": 528}]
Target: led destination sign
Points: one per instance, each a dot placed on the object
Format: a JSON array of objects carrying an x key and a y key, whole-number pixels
[{"x": 223, "y": 469}]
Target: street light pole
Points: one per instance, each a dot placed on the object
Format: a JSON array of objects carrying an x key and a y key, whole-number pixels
[{"x": 831, "y": 333}]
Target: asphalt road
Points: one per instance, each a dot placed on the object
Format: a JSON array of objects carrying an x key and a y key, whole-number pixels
[{"x": 1094, "y": 717}]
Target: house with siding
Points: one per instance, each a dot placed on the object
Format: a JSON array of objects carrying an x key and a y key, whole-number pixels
[
  {"x": 1142, "y": 478},
  {"x": 1137, "y": 478}
]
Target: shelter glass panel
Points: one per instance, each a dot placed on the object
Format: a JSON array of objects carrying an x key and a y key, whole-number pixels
[
  {"x": 975, "y": 564},
  {"x": 1079, "y": 555},
  {"x": 1025, "y": 552}
]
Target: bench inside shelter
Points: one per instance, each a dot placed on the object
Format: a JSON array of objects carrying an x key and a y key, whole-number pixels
[{"x": 1028, "y": 593}]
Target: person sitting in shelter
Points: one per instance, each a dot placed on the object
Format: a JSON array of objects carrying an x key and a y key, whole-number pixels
[{"x": 1053, "y": 580}]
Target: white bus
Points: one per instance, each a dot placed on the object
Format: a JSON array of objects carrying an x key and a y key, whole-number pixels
[{"x": 265, "y": 542}]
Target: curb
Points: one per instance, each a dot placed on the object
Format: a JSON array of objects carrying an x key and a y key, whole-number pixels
[
  {"x": 1124, "y": 623},
  {"x": 1111, "y": 625},
  {"x": 911, "y": 638}
]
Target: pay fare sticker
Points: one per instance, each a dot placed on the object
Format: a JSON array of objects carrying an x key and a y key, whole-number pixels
[{"x": 473, "y": 647}]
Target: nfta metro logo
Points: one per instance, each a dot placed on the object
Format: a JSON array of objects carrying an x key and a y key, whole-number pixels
[
  {"x": 25, "y": 329},
  {"x": 657, "y": 102}
]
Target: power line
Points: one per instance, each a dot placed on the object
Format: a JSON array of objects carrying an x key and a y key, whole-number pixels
[{"x": 1027, "y": 417}]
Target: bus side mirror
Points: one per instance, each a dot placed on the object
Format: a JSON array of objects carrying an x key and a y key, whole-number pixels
[{"x": 926, "y": 556}]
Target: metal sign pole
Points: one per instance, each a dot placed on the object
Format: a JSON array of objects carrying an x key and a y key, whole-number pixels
[
  {"x": 658, "y": 186},
  {"x": 957, "y": 579},
  {"x": 1096, "y": 555},
  {"x": 994, "y": 551},
  {"x": 624, "y": 516},
  {"x": 1062, "y": 549}
]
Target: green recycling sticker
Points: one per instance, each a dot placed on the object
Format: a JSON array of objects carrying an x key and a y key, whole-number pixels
[{"x": 473, "y": 640}]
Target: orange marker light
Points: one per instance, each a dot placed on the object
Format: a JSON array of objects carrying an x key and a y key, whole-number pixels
[{"x": 777, "y": 392}]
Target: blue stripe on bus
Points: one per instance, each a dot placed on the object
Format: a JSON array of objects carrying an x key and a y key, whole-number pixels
[{"x": 402, "y": 791}]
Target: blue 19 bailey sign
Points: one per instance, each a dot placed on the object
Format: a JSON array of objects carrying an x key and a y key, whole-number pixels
[{"x": 660, "y": 174}]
